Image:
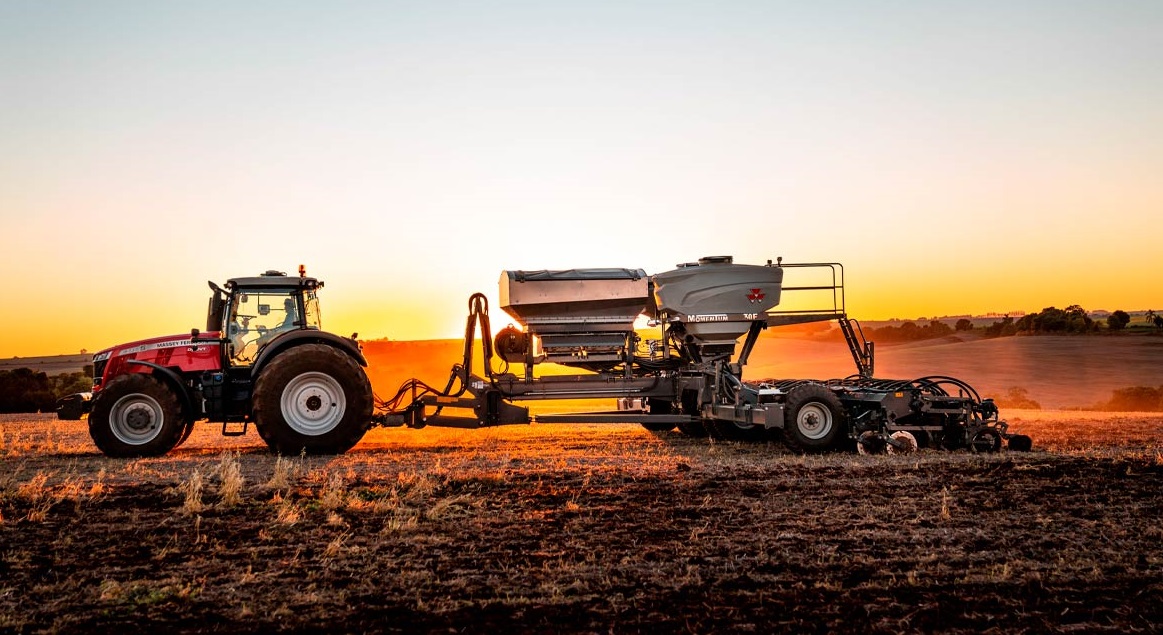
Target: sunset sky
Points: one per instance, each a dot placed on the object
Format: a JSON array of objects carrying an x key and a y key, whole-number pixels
[{"x": 957, "y": 157}]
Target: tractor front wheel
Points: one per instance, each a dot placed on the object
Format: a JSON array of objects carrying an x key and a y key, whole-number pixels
[
  {"x": 136, "y": 415},
  {"x": 312, "y": 398}
]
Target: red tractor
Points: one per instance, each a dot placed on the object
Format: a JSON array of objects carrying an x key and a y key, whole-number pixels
[{"x": 264, "y": 359}]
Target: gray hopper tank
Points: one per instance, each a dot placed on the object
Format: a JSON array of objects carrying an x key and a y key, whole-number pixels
[
  {"x": 715, "y": 299},
  {"x": 575, "y": 300}
]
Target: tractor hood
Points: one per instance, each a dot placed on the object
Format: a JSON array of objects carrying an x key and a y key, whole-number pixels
[
  {"x": 177, "y": 352},
  {"x": 154, "y": 344}
]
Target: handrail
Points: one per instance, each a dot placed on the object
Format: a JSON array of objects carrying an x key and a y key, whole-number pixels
[
  {"x": 862, "y": 350},
  {"x": 837, "y": 287}
]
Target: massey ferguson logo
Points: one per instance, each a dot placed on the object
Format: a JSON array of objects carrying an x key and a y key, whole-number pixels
[{"x": 756, "y": 295}]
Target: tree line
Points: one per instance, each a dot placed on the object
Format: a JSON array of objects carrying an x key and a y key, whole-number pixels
[
  {"x": 1135, "y": 399},
  {"x": 1072, "y": 319},
  {"x": 26, "y": 390},
  {"x": 910, "y": 332}
]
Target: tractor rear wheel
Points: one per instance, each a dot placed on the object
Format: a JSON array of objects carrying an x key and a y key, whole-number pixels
[
  {"x": 312, "y": 398},
  {"x": 814, "y": 418},
  {"x": 136, "y": 415}
]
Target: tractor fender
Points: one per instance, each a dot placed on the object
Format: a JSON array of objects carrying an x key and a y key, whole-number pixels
[
  {"x": 308, "y": 336},
  {"x": 174, "y": 381}
]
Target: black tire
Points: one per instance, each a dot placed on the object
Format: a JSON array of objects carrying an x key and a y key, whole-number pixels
[
  {"x": 985, "y": 440},
  {"x": 312, "y": 398},
  {"x": 1021, "y": 443},
  {"x": 71, "y": 408},
  {"x": 690, "y": 406},
  {"x": 658, "y": 407},
  {"x": 136, "y": 415},
  {"x": 186, "y": 431},
  {"x": 814, "y": 419},
  {"x": 732, "y": 431}
]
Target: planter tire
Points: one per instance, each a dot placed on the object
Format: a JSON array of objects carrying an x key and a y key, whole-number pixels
[{"x": 814, "y": 419}]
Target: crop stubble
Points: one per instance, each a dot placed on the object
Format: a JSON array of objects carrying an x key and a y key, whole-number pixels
[{"x": 584, "y": 529}]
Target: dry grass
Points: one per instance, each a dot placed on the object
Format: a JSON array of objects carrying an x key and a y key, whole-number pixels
[
  {"x": 191, "y": 490},
  {"x": 597, "y": 528},
  {"x": 286, "y": 472},
  {"x": 333, "y": 495},
  {"x": 286, "y": 511},
  {"x": 230, "y": 480}
]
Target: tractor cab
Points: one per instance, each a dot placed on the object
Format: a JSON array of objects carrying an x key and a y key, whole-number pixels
[{"x": 253, "y": 312}]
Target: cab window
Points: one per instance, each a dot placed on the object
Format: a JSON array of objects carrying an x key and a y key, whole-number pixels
[{"x": 256, "y": 318}]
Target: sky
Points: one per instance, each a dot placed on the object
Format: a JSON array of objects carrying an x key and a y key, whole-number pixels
[{"x": 956, "y": 157}]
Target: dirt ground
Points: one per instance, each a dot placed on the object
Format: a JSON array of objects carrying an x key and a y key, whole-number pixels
[{"x": 603, "y": 529}]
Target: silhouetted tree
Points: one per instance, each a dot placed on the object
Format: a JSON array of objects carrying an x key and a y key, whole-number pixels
[
  {"x": 1136, "y": 398},
  {"x": 1072, "y": 319},
  {"x": 1018, "y": 397},
  {"x": 1118, "y": 320},
  {"x": 69, "y": 383},
  {"x": 25, "y": 390},
  {"x": 1003, "y": 327},
  {"x": 963, "y": 325},
  {"x": 910, "y": 332}
]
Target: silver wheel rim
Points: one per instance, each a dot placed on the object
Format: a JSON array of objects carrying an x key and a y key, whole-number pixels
[
  {"x": 136, "y": 419},
  {"x": 814, "y": 421},
  {"x": 313, "y": 403}
]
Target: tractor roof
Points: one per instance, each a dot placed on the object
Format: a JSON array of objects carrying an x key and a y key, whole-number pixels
[{"x": 274, "y": 279}]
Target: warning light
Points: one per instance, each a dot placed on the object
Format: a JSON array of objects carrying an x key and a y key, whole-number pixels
[{"x": 302, "y": 271}]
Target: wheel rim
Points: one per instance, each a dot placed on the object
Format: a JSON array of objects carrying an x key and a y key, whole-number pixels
[
  {"x": 814, "y": 421},
  {"x": 908, "y": 441},
  {"x": 313, "y": 403},
  {"x": 136, "y": 419},
  {"x": 869, "y": 443}
]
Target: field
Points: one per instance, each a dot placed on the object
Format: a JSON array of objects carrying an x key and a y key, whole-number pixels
[{"x": 584, "y": 529}]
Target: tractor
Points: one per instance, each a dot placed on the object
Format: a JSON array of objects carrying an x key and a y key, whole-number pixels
[{"x": 263, "y": 359}]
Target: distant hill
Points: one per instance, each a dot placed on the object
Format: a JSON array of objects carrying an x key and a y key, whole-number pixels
[{"x": 51, "y": 364}]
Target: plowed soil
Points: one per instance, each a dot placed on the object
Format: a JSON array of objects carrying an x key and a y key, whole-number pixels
[{"x": 584, "y": 529}]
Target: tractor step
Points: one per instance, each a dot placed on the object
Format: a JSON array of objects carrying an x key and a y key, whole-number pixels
[{"x": 227, "y": 432}]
